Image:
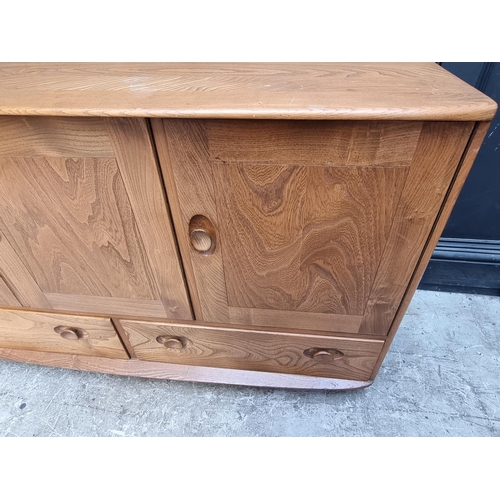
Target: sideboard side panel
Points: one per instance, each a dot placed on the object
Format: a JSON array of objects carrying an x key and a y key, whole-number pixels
[
  {"x": 433, "y": 167},
  {"x": 462, "y": 172}
]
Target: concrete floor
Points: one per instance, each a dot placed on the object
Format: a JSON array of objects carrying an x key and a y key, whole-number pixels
[{"x": 440, "y": 378}]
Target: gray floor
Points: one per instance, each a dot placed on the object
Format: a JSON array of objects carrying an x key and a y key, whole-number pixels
[{"x": 441, "y": 378}]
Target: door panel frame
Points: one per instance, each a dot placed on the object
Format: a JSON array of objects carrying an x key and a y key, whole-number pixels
[
  {"x": 191, "y": 192},
  {"x": 126, "y": 142}
]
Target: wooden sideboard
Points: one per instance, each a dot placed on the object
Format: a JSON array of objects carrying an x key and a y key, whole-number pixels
[{"x": 258, "y": 224}]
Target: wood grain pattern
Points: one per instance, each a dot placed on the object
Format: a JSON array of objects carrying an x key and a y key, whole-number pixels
[
  {"x": 436, "y": 158},
  {"x": 312, "y": 239},
  {"x": 92, "y": 233},
  {"x": 319, "y": 222},
  {"x": 187, "y": 323},
  {"x": 18, "y": 278},
  {"x": 475, "y": 142},
  {"x": 7, "y": 297},
  {"x": 36, "y": 331},
  {"x": 305, "y": 239},
  {"x": 123, "y": 338},
  {"x": 286, "y": 319},
  {"x": 252, "y": 350},
  {"x": 118, "y": 306},
  {"x": 138, "y": 167},
  {"x": 387, "y": 144},
  {"x": 162, "y": 149},
  {"x": 51, "y": 136},
  {"x": 319, "y": 91},
  {"x": 191, "y": 186},
  {"x": 71, "y": 222},
  {"x": 149, "y": 369}
]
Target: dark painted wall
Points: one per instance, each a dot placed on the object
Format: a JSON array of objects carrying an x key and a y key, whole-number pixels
[
  {"x": 477, "y": 211},
  {"x": 467, "y": 258}
]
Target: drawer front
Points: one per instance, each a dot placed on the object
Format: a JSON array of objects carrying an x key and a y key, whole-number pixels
[
  {"x": 82, "y": 335},
  {"x": 314, "y": 355}
]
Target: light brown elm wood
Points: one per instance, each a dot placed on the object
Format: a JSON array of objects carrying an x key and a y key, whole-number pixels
[
  {"x": 313, "y": 143},
  {"x": 261, "y": 184},
  {"x": 92, "y": 233},
  {"x": 456, "y": 186},
  {"x": 149, "y": 369},
  {"x": 7, "y": 298},
  {"x": 71, "y": 222},
  {"x": 135, "y": 154},
  {"x": 238, "y": 348},
  {"x": 314, "y": 91},
  {"x": 223, "y": 192},
  {"x": 190, "y": 185},
  {"x": 123, "y": 338},
  {"x": 18, "y": 278},
  {"x": 339, "y": 240},
  {"x": 152, "y": 319},
  {"x": 60, "y": 333},
  {"x": 202, "y": 235},
  {"x": 306, "y": 239},
  {"x": 303, "y": 239},
  {"x": 161, "y": 148},
  {"x": 323, "y": 323},
  {"x": 436, "y": 159},
  {"x": 118, "y": 305},
  {"x": 66, "y": 137}
]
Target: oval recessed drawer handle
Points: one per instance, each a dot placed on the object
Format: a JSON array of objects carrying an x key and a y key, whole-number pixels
[
  {"x": 320, "y": 354},
  {"x": 71, "y": 332},
  {"x": 171, "y": 342},
  {"x": 202, "y": 235}
]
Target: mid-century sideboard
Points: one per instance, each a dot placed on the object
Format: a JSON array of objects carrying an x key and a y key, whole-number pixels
[{"x": 258, "y": 224}]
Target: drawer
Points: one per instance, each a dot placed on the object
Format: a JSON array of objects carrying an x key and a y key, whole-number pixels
[
  {"x": 258, "y": 350},
  {"x": 61, "y": 333}
]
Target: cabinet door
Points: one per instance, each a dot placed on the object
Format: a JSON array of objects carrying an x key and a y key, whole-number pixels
[
  {"x": 314, "y": 225},
  {"x": 61, "y": 333},
  {"x": 84, "y": 224}
]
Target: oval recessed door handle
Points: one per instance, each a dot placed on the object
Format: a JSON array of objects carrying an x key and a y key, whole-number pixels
[
  {"x": 71, "y": 332},
  {"x": 320, "y": 354},
  {"x": 202, "y": 235},
  {"x": 176, "y": 343}
]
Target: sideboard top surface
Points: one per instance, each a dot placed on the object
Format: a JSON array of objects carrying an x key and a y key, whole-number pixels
[{"x": 312, "y": 91}]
